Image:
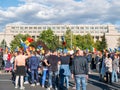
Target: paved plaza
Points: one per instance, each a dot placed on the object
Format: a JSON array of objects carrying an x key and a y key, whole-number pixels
[{"x": 93, "y": 84}]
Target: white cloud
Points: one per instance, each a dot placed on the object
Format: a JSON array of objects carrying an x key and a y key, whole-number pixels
[{"x": 62, "y": 11}]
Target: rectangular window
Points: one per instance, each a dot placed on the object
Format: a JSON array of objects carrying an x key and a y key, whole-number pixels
[
  {"x": 34, "y": 31},
  {"x": 13, "y": 27},
  {"x": 44, "y": 28},
  {"x": 30, "y": 27},
  {"x": 26, "y": 27},
  {"x": 39, "y": 27},
  {"x": 81, "y": 27},
  {"x": 21, "y": 27},
  {"x": 35, "y": 27},
  {"x": 30, "y": 31},
  {"x": 25, "y": 31}
]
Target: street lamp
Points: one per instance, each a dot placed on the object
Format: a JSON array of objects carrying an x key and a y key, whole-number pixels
[{"x": 71, "y": 38}]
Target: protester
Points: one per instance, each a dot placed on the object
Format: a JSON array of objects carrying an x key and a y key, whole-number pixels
[
  {"x": 115, "y": 65},
  {"x": 52, "y": 63},
  {"x": 45, "y": 68},
  {"x": 108, "y": 67},
  {"x": 19, "y": 68},
  {"x": 80, "y": 70},
  {"x": 65, "y": 70}
]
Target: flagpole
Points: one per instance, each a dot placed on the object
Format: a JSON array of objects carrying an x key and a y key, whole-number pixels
[
  {"x": 4, "y": 45},
  {"x": 71, "y": 39}
]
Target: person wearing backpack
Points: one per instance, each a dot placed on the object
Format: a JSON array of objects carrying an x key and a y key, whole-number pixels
[
  {"x": 89, "y": 59},
  {"x": 33, "y": 67}
]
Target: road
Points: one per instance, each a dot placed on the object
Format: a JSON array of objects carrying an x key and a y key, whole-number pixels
[{"x": 93, "y": 84}]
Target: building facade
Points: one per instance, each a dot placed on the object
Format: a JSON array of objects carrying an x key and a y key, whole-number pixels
[{"x": 96, "y": 31}]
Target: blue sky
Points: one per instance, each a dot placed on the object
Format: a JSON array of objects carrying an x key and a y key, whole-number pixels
[
  {"x": 59, "y": 12},
  {"x": 9, "y": 3}
]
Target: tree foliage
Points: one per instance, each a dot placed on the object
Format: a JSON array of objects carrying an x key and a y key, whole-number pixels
[
  {"x": 3, "y": 43},
  {"x": 51, "y": 40},
  {"x": 16, "y": 41}
]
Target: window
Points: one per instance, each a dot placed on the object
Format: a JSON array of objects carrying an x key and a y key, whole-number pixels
[
  {"x": 21, "y": 31},
  {"x": 35, "y": 27},
  {"x": 30, "y": 27},
  {"x": 21, "y": 27},
  {"x": 30, "y": 31},
  {"x": 34, "y": 31},
  {"x": 87, "y": 28},
  {"x": 39, "y": 27},
  {"x": 26, "y": 27},
  {"x": 53, "y": 27},
  {"x": 12, "y": 31},
  {"x": 91, "y": 31},
  {"x": 77, "y": 27},
  {"x": 63, "y": 27},
  {"x": 101, "y": 27},
  {"x": 13, "y": 27},
  {"x": 62, "y": 31},
  {"x": 44, "y": 28},
  {"x": 91, "y": 27},
  {"x": 25, "y": 31},
  {"x": 57, "y": 31},
  {"x": 105, "y": 28},
  {"x": 81, "y": 27},
  {"x": 58, "y": 27},
  {"x": 77, "y": 31},
  {"x": 81, "y": 31},
  {"x": 17, "y": 27},
  {"x": 39, "y": 31},
  {"x": 96, "y": 27}
]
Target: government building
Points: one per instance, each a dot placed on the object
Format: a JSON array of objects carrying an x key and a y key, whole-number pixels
[{"x": 97, "y": 31}]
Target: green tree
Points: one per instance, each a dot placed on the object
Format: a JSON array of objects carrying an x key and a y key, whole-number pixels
[
  {"x": 51, "y": 40},
  {"x": 70, "y": 39},
  {"x": 79, "y": 40},
  {"x": 88, "y": 41},
  {"x": 16, "y": 41},
  {"x": 103, "y": 43},
  {"x": 3, "y": 43},
  {"x": 97, "y": 45},
  {"x": 84, "y": 42}
]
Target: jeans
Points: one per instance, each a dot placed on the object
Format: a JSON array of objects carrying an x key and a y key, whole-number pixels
[
  {"x": 80, "y": 80},
  {"x": 108, "y": 77},
  {"x": 114, "y": 76},
  {"x": 64, "y": 79},
  {"x": 54, "y": 75},
  {"x": 34, "y": 72},
  {"x": 44, "y": 77},
  {"x": 89, "y": 67}
]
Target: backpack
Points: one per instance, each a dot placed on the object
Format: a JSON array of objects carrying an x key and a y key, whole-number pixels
[{"x": 89, "y": 57}]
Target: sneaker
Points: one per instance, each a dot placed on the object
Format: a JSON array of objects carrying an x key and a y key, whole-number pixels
[
  {"x": 22, "y": 87},
  {"x": 26, "y": 82},
  {"x": 16, "y": 87},
  {"x": 37, "y": 84},
  {"x": 42, "y": 86},
  {"x": 74, "y": 88},
  {"x": 48, "y": 88},
  {"x": 32, "y": 85},
  {"x": 56, "y": 88}
]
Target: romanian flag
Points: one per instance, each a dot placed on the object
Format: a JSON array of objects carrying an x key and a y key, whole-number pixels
[
  {"x": 28, "y": 41},
  {"x": 23, "y": 44}
]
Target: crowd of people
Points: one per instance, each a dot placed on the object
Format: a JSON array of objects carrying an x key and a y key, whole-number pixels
[{"x": 54, "y": 69}]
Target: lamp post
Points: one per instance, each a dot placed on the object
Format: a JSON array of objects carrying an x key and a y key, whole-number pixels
[{"x": 71, "y": 38}]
